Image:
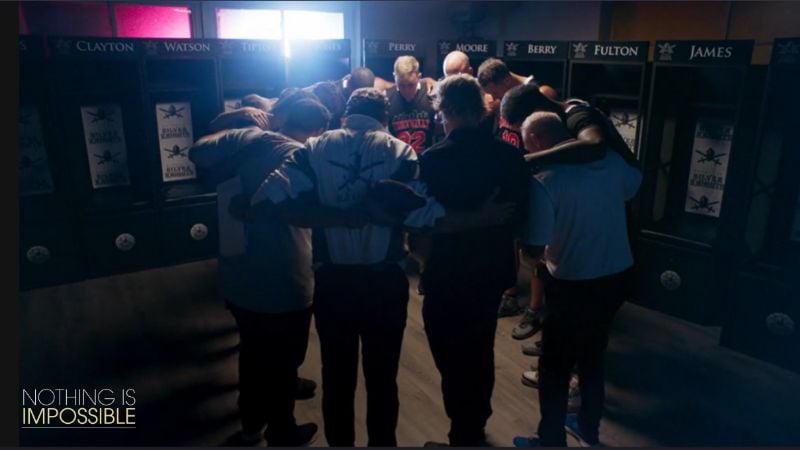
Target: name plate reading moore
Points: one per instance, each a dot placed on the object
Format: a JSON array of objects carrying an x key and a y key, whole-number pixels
[
  {"x": 175, "y": 137},
  {"x": 34, "y": 171},
  {"x": 710, "y": 155},
  {"x": 105, "y": 145}
]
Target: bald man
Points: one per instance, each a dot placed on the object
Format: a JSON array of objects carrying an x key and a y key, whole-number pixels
[{"x": 456, "y": 62}]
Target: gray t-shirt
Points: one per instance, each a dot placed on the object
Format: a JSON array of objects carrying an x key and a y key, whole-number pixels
[
  {"x": 264, "y": 266},
  {"x": 578, "y": 213}
]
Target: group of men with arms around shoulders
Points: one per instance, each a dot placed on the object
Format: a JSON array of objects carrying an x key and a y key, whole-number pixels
[{"x": 324, "y": 192}]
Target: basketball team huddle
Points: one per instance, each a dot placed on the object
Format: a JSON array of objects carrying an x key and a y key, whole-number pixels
[{"x": 325, "y": 193}]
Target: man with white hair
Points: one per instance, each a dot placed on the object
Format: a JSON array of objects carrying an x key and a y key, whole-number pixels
[{"x": 576, "y": 224}]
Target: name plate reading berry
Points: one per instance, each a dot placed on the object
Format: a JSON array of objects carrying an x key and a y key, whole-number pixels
[
  {"x": 34, "y": 170},
  {"x": 175, "y": 138},
  {"x": 704, "y": 52},
  {"x": 533, "y": 50},
  {"x": 105, "y": 145},
  {"x": 710, "y": 155}
]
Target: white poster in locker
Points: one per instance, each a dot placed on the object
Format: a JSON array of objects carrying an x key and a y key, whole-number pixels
[
  {"x": 34, "y": 171},
  {"x": 796, "y": 225},
  {"x": 105, "y": 145},
  {"x": 626, "y": 121},
  {"x": 175, "y": 138},
  {"x": 232, "y": 104},
  {"x": 710, "y": 155}
]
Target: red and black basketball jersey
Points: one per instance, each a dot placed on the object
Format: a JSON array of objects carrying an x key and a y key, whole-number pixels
[
  {"x": 508, "y": 133},
  {"x": 411, "y": 122}
]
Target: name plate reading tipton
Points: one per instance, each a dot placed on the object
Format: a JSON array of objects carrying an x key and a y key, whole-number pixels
[
  {"x": 105, "y": 145},
  {"x": 34, "y": 171},
  {"x": 710, "y": 155},
  {"x": 626, "y": 121},
  {"x": 175, "y": 137},
  {"x": 232, "y": 104}
]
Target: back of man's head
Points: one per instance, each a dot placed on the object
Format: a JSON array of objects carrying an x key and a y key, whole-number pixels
[
  {"x": 360, "y": 77},
  {"x": 330, "y": 94},
  {"x": 456, "y": 62},
  {"x": 523, "y": 100},
  {"x": 492, "y": 71},
  {"x": 459, "y": 97},
  {"x": 368, "y": 102},
  {"x": 546, "y": 128},
  {"x": 306, "y": 116}
]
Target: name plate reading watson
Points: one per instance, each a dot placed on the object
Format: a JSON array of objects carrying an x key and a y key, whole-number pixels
[
  {"x": 105, "y": 145},
  {"x": 710, "y": 155},
  {"x": 175, "y": 137},
  {"x": 34, "y": 171}
]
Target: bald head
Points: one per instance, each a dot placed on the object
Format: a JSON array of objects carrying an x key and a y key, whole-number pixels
[
  {"x": 456, "y": 62},
  {"x": 542, "y": 130}
]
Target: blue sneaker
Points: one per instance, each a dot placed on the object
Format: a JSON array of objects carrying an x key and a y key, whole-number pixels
[
  {"x": 572, "y": 427},
  {"x": 527, "y": 442}
]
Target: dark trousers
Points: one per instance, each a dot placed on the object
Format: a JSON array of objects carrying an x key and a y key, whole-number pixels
[
  {"x": 272, "y": 347},
  {"x": 370, "y": 303},
  {"x": 460, "y": 317},
  {"x": 575, "y": 333}
]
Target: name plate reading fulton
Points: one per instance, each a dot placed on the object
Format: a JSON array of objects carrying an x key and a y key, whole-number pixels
[
  {"x": 710, "y": 155},
  {"x": 532, "y": 50},
  {"x": 105, "y": 145},
  {"x": 704, "y": 52},
  {"x": 626, "y": 121},
  {"x": 64, "y": 47},
  {"x": 620, "y": 51},
  {"x": 381, "y": 47},
  {"x": 473, "y": 49},
  {"x": 248, "y": 48},
  {"x": 336, "y": 47},
  {"x": 175, "y": 137},
  {"x": 34, "y": 171},
  {"x": 178, "y": 47}
]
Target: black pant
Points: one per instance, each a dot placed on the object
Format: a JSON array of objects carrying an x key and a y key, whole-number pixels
[
  {"x": 460, "y": 315},
  {"x": 371, "y": 303},
  {"x": 575, "y": 332},
  {"x": 272, "y": 347}
]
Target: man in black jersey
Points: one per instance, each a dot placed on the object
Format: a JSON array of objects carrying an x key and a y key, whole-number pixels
[{"x": 410, "y": 110}]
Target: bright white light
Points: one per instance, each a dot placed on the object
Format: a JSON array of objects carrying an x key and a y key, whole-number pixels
[
  {"x": 313, "y": 25},
  {"x": 248, "y": 24}
]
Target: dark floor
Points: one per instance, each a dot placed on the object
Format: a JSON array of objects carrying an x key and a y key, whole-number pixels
[{"x": 166, "y": 334}]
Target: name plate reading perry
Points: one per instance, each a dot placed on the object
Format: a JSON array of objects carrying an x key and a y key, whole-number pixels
[
  {"x": 175, "y": 137},
  {"x": 34, "y": 171},
  {"x": 105, "y": 145},
  {"x": 381, "y": 47},
  {"x": 710, "y": 155}
]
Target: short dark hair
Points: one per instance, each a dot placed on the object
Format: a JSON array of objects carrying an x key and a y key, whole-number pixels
[
  {"x": 522, "y": 101},
  {"x": 288, "y": 97},
  {"x": 493, "y": 71},
  {"x": 360, "y": 77},
  {"x": 329, "y": 94},
  {"x": 369, "y": 102},
  {"x": 307, "y": 115},
  {"x": 459, "y": 96}
]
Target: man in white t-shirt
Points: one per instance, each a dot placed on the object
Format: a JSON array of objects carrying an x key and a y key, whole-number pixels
[{"x": 576, "y": 223}]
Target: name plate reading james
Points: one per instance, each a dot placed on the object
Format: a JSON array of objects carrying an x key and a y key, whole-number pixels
[
  {"x": 105, "y": 145},
  {"x": 34, "y": 171},
  {"x": 175, "y": 138},
  {"x": 710, "y": 155},
  {"x": 704, "y": 52}
]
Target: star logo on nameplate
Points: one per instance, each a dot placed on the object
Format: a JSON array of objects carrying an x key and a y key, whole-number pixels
[
  {"x": 22, "y": 45},
  {"x": 372, "y": 46},
  {"x": 579, "y": 50},
  {"x": 63, "y": 46},
  {"x": 665, "y": 51},
  {"x": 511, "y": 48},
  {"x": 226, "y": 47},
  {"x": 444, "y": 47},
  {"x": 788, "y": 52},
  {"x": 151, "y": 47}
]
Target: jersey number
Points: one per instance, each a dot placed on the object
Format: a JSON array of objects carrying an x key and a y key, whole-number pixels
[
  {"x": 511, "y": 138},
  {"x": 416, "y": 139}
]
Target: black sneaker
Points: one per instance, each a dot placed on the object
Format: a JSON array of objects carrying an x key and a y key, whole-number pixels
[
  {"x": 509, "y": 306},
  {"x": 532, "y": 348},
  {"x": 529, "y": 324},
  {"x": 305, "y": 389},
  {"x": 301, "y": 436}
]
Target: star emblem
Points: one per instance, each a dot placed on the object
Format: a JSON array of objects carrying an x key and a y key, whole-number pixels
[
  {"x": 22, "y": 45},
  {"x": 372, "y": 46},
  {"x": 788, "y": 52},
  {"x": 63, "y": 45},
  {"x": 511, "y": 48},
  {"x": 444, "y": 47},
  {"x": 665, "y": 51},
  {"x": 151, "y": 47},
  {"x": 226, "y": 47},
  {"x": 579, "y": 49}
]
